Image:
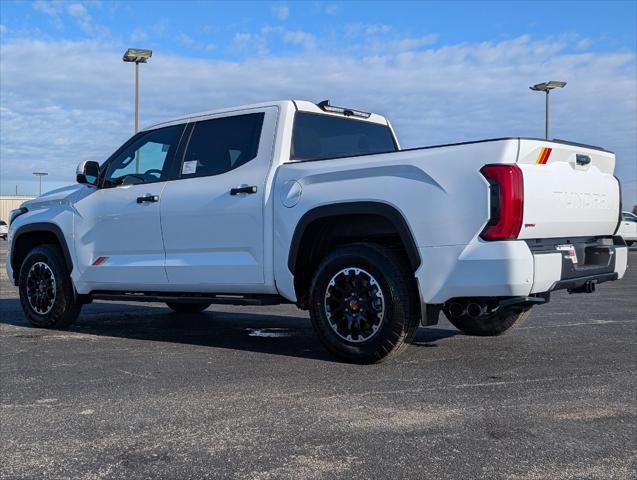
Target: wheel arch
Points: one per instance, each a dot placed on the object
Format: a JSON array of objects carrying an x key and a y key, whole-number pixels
[
  {"x": 384, "y": 218},
  {"x": 31, "y": 235}
]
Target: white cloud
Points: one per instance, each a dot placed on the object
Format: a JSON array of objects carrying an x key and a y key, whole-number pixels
[
  {"x": 331, "y": 9},
  {"x": 406, "y": 44},
  {"x": 64, "y": 102},
  {"x": 185, "y": 40},
  {"x": 281, "y": 12},
  {"x": 241, "y": 37},
  {"x": 358, "y": 28},
  {"x": 376, "y": 29},
  {"x": 55, "y": 10},
  {"x": 159, "y": 28},
  {"x": 189, "y": 42},
  {"x": 299, "y": 37},
  {"x": 138, "y": 35},
  {"x": 250, "y": 43},
  {"x": 584, "y": 43},
  {"x": 79, "y": 12},
  {"x": 290, "y": 37},
  {"x": 50, "y": 9}
]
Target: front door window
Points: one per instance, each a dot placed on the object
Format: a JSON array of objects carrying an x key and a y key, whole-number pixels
[{"x": 146, "y": 159}]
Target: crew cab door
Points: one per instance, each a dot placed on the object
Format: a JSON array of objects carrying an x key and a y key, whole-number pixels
[
  {"x": 213, "y": 215},
  {"x": 118, "y": 235}
]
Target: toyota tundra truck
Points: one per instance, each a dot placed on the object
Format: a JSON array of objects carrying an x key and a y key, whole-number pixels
[{"x": 318, "y": 205}]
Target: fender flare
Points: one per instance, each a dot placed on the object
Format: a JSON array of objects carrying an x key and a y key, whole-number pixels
[
  {"x": 42, "y": 227},
  {"x": 355, "y": 208}
]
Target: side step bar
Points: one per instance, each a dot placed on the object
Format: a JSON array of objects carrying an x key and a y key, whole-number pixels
[{"x": 162, "y": 297}]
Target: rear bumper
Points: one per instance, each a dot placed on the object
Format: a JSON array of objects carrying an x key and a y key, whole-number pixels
[{"x": 514, "y": 268}]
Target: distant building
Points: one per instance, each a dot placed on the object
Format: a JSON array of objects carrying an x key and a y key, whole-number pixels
[{"x": 10, "y": 202}]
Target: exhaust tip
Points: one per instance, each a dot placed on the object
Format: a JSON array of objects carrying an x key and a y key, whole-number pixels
[
  {"x": 588, "y": 287},
  {"x": 476, "y": 310},
  {"x": 456, "y": 309}
]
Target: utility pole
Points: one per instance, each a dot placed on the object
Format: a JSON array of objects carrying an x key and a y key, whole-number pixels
[
  {"x": 547, "y": 87},
  {"x": 137, "y": 55},
  {"x": 39, "y": 175}
]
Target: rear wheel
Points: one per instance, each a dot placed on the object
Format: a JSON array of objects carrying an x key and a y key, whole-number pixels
[
  {"x": 363, "y": 303},
  {"x": 187, "y": 307},
  {"x": 47, "y": 295},
  {"x": 491, "y": 325}
]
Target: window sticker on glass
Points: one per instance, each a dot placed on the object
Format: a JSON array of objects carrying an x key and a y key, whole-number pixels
[{"x": 189, "y": 167}]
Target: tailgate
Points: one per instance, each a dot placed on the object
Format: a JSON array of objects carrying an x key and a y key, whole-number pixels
[{"x": 569, "y": 190}]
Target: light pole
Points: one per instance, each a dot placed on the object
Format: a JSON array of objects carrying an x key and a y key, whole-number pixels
[
  {"x": 138, "y": 56},
  {"x": 40, "y": 175},
  {"x": 547, "y": 87}
]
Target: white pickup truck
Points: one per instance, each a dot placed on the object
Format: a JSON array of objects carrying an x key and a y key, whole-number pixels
[{"x": 317, "y": 205}]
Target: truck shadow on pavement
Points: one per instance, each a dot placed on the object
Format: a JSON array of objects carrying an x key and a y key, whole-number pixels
[{"x": 271, "y": 333}]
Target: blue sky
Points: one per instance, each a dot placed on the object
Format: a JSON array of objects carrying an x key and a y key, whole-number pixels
[
  {"x": 442, "y": 71},
  {"x": 208, "y": 29}
]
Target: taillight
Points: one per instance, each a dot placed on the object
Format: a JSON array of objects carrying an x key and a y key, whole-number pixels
[{"x": 507, "y": 202}]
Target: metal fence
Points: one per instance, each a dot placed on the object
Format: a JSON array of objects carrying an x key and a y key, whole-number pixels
[{"x": 10, "y": 202}]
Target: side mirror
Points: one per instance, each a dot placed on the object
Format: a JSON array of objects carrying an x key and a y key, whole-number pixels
[{"x": 88, "y": 173}]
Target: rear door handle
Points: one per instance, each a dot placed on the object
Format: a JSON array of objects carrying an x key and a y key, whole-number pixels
[
  {"x": 148, "y": 198},
  {"x": 248, "y": 190}
]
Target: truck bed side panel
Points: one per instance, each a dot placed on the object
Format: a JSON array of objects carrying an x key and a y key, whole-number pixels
[{"x": 440, "y": 193}]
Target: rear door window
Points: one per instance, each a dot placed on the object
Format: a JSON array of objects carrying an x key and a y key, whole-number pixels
[
  {"x": 317, "y": 137},
  {"x": 222, "y": 144}
]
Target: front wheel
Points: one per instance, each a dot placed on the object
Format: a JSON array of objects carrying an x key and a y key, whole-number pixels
[
  {"x": 47, "y": 294},
  {"x": 363, "y": 303},
  {"x": 491, "y": 325},
  {"x": 186, "y": 307}
]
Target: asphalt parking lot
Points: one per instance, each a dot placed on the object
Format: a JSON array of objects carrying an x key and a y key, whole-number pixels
[{"x": 133, "y": 391}]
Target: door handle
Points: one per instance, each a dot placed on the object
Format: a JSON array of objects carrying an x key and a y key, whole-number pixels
[
  {"x": 582, "y": 159},
  {"x": 248, "y": 190},
  {"x": 148, "y": 198}
]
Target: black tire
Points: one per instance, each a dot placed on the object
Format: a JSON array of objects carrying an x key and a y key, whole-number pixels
[
  {"x": 630, "y": 244},
  {"x": 46, "y": 303},
  {"x": 187, "y": 307},
  {"x": 492, "y": 325},
  {"x": 395, "y": 325}
]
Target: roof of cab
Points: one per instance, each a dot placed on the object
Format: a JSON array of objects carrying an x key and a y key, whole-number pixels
[{"x": 300, "y": 105}]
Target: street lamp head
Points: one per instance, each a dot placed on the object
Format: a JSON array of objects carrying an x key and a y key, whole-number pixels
[
  {"x": 546, "y": 86},
  {"x": 40, "y": 174},
  {"x": 137, "y": 55}
]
